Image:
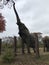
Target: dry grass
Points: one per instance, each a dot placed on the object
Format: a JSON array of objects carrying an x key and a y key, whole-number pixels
[{"x": 27, "y": 59}]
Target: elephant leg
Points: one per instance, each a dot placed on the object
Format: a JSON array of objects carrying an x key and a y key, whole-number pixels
[
  {"x": 47, "y": 49},
  {"x": 28, "y": 44},
  {"x": 44, "y": 47},
  {"x": 28, "y": 48},
  {"x": 23, "y": 47}
]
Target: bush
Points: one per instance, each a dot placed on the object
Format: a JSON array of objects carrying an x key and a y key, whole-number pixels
[{"x": 8, "y": 57}]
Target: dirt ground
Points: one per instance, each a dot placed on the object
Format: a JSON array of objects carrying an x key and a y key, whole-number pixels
[{"x": 30, "y": 59}]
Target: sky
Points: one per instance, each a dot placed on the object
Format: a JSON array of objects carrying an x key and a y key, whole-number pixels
[{"x": 33, "y": 13}]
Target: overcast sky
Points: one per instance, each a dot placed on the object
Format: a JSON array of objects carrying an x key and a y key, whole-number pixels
[{"x": 33, "y": 13}]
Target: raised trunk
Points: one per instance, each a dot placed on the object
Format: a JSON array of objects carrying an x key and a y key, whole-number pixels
[{"x": 17, "y": 17}]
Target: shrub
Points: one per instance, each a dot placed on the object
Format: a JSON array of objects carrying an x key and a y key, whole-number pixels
[{"x": 8, "y": 57}]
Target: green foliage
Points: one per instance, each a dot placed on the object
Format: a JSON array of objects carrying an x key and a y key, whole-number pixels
[{"x": 8, "y": 57}]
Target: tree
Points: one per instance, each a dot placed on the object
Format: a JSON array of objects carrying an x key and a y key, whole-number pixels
[
  {"x": 6, "y": 2},
  {"x": 2, "y": 23},
  {"x": 2, "y": 28}
]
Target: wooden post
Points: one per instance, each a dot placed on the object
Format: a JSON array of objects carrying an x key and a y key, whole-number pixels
[
  {"x": 0, "y": 45},
  {"x": 15, "y": 45},
  {"x": 37, "y": 46}
]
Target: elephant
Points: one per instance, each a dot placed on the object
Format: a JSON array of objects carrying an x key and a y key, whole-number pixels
[
  {"x": 24, "y": 33},
  {"x": 46, "y": 43}
]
